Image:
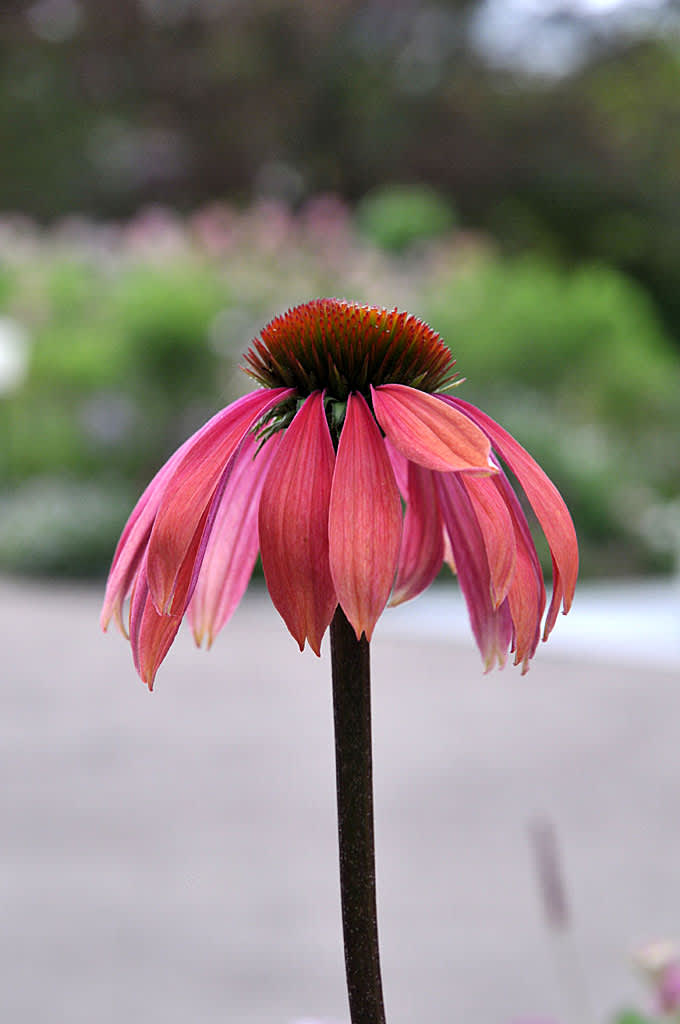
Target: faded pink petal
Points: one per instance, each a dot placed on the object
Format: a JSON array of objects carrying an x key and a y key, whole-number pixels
[
  {"x": 422, "y": 428},
  {"x": 547, "y": 503},
  {"x": 293, "y": 525},
  {"x": 190, "y": 490},
  {"x": 364, "y": 520},
  {"x": 492, "y": 627},
  {"x": 231, "y": 551},
  {"x": 422, "y": 545},
  {"x": 497, "y": 530}
]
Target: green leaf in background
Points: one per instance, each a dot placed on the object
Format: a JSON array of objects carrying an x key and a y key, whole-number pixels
[
  {"x": 634, "y": 1017},
  {"x": 398, "y": 216}
]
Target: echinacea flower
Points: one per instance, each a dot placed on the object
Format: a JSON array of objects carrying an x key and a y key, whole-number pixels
[{"x": 355, "y": 475}]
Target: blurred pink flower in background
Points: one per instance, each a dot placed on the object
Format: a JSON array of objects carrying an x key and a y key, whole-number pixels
[
  {"x": 668, "y": 991},
  {"x": 660, "y": 963}
]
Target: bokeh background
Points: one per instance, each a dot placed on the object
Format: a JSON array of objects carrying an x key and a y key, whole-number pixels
[{"x": 172, "y": 174}]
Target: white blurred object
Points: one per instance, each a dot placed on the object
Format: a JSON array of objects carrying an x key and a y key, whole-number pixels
[
  {"x": 655, "y": 958},
  {"x": 556, "y": 37},
  {"x": 14, "y": 355}
]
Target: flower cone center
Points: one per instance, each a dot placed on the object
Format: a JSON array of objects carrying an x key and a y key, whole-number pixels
[{"x": 340, "y": 347}]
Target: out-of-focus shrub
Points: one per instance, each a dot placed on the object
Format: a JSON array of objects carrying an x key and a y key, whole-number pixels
[
  {"x": 134, "y": 334},
  {"x": 587, "y": 337},
  {"x": 577, "y": 365},
  {"x": 5, "y": 286},
  {"x": 61, "y": 527},
  {"x": 164, "y": 315},
  {"x": 396, "y": 217},
  {"x": 121, "y": 367}
]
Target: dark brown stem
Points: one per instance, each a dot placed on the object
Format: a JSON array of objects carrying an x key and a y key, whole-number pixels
[{"x": 350, "y": 660}]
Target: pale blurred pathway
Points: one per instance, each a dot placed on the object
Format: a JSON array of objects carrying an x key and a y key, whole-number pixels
[{"x": 170, "y": 858}]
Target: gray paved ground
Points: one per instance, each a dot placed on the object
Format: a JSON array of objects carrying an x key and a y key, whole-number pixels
[{"x": 171, "y": 857}]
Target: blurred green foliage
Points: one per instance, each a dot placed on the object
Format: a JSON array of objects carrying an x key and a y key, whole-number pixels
[
  {"x": 576, "y": 364},
  {"x": 136, "y": 333},
  {"x": 396, "y": 217},
  {"x": 634, "y": 1017},
  {"x": 588, "y": 339},
  {"x": 120, "y": 369},
  {"x": 165, "y": 315}
]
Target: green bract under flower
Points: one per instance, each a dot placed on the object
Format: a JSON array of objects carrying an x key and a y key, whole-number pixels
[{"x": 341, "y": 347}]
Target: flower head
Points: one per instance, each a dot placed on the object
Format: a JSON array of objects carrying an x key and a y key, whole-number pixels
[{"x": 355, "y": 476}]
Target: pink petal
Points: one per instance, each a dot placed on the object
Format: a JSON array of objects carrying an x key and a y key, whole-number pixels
[
  {"x": 293, "y": 525},
  {"x": 526, "y": 596},
  {"x": 492, "y": 627},
  {"x": 190, "y": 490},
  {"x": 448, "y": 551},
  {"x": 422, "y": 544},
  {"x": 422, "y": 428},
  {"x": 151, "y": 634},
  {"x": 231, "y": 551},
  {"x": 132, "y": 544},
  {"x": 400, "y": 466},
  {"x": 524, "y": 601},
  {"x": 547, "y": 503},
  {"x": 431, "y": 546},
  {"x": 364, "y": 520},
  {"x": 497, "y": 531}
]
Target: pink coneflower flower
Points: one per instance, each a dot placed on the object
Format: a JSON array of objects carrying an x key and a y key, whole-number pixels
[{"x": 355, "y": 476}]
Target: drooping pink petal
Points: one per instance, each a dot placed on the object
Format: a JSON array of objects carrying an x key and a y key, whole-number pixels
[
  {"x": 423, "y": 428},
  {"x": 293, "y": 525},
  {"x": 422, "y": 545},
  {"x": 151, "y": 634},
  {"x": 547, "y": 503},
  {"x": 132, "y": 544},
  {"x": 526, "y": 596},
  {"x": 231, "y": 551},
  {"x": 422, "y": 552},
  {"x": 190, "y": 489},
  {"x": 364, "y": 520},
  {"x": 497, "y": 531},
  {"x": 524, "y": 601},
  {"x": 492, "y": 627}
]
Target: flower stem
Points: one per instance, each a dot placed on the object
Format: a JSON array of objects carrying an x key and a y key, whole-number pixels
[{"x": 350, "y": 659}]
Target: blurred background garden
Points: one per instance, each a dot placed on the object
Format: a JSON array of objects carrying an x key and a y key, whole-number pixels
[{"x": 175, "y": 172}]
